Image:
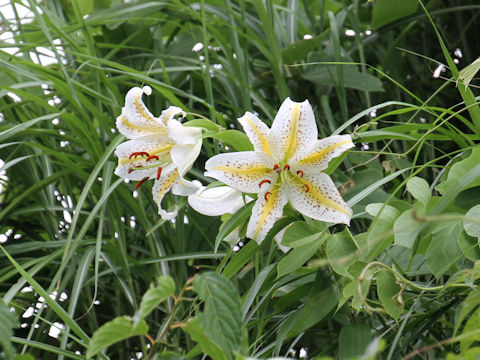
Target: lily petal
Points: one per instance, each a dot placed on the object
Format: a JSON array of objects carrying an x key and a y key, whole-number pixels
[
  {"x": 257, "y": 131},
  {"x": 216, "y": 201},
  {"x": 183, "y": 156},
  {"x": 161, "y": 187},
  {"x": 139, "y": 158},
  {"x": 136, "y": 120},
  {"x": 169, "y": 113},
  {"x": 316, "y": 196},
  {"x": 183, "y": 135},
  {"x": 267, "y": 209},
  {"x": 322, "y": 152},
  {"x": 246, "y": 171},
  {"x": 184, "y": 187},
  {"x": 293, "y": 130}
]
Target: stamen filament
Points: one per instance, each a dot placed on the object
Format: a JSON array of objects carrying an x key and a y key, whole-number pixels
[{"x": 141, "y": 182}]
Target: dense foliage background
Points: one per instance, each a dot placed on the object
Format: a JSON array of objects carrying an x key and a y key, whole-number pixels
[{"x": 78, "y": 250}]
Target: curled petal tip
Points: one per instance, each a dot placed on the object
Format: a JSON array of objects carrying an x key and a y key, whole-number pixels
[{"x": 147, "y": 90}]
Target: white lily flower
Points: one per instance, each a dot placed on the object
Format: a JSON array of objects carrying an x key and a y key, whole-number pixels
[
  {"x": 285, "y": 165},
  {"x": 160, "y": 148}
]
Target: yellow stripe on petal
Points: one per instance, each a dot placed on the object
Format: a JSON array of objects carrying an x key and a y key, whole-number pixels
[
  {"x": 261, "y": 138},
  {"x": 322, "y": 198},
  {"x": 253, "y": 170},
  {"x": 246, "y": 171},
  {"x": 267, "y": 209},
  {"x": 293, "y": 131},
  {"x": 140, "y": 108},
  {"x": 269, "y": 205},
  {"x": 292, "y": 138},
  {"x": 320, "y": 155},
  {"x": 316, "y": 196},
  {"x": 166, "y": 183}
]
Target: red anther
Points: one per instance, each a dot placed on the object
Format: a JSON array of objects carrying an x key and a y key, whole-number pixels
[
  {"x": 141, "y": 182},
  {"x": 286, "y": 167},
  {"x": 307, "y": 188},
  {"x": 159, "y": 172},
  {"x": 140, "y": 153},
  {"x": 300, "y": 172},
  {"x": 277, "y": 168},
  {"x": 263, "y": 182},
  {"x": 266, "y": 195},
  {"x": 152, "y": 157}
]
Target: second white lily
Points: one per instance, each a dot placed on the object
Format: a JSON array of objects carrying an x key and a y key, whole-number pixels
[
  {"x": 160, "y": 148},
  {"x": 285, "y": 166}
]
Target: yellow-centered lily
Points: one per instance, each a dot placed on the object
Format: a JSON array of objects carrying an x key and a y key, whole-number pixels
[
  {"x": 161, "y": 148},
  {"x": 285, "y": 165}
]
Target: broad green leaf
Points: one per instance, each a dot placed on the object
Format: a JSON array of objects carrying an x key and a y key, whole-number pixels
[
  {"x": 468, "y": 198},
  {"x": 340, "y": 248},
  {"x": 24, "y": 357},
  {"x": 221, "y": 319},
  {"x": 419, "y": 189},
  {"x": 467, "y": 73},
  {"x": 443, "y": 250},
  {"x": 157, "y": 293},
  {"x": 470, "y": 333},
  {"x": 236, "y": 139},
  {"x": 471, "y": 302},
  {"x": 380, "y": 233},
  {"x": 388, "y": 11},
  {"x": 352, "y": 78},
  {"x": 299, "y": 50},
  {"x": 206, "y": 343},
  {"x": 300, "y": 233},
  {"x": 469, "y": 246},
  {"x": 323, "y": 292},
  {"x": 298, "y": 256},
  {"x": 203, "y": 123},
  {"x": 8, "y": 322},
  {"x": 471, "y": 223},
  {"x": 458, "y": 171},
  {"x": 406, "y": 229},
  {"x": 353, "y": 340},
  {"x": 118, "y": 329},
  {"x": 236, "y": 220},
  {"x": 388, "y": 291}
]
